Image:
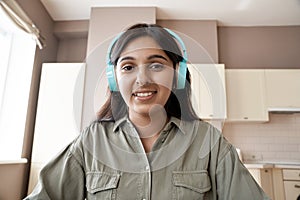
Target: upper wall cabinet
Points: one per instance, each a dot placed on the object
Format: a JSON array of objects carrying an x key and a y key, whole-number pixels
[
  {"x": 283, "y": 89},
  {"x": 208, "y": 90},
  {"x": 246, "y": 95}
]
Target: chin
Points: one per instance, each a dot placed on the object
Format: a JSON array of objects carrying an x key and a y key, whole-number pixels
[
  {"x": 146, "y": 109},
  {"x": 142, "y": 111}
]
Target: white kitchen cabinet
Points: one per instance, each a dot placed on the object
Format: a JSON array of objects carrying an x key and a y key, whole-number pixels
[
  {"x": 208, "y": 90},
  {"x": 256, "y": 175},
  {"x": 278, "y": 186},
  {"x": 58, "y": 116},
  {"x": 283, "y": 88},
  {"x": 246, "y": 95},
  {"x": 264, "y": 178},
  {"x": 291, "y": 180}
]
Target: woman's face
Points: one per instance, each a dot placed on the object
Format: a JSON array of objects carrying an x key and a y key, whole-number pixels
[{"x": 144, "y": 75}]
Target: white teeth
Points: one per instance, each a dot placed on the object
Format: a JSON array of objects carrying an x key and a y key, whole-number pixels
[{"x": 145, "y": 94}]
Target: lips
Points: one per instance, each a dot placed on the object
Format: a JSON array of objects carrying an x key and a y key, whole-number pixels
[{"x": 144, "y": 95}]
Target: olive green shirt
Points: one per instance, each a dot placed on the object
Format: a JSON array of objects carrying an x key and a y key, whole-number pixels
[{"x": 189, "y": 160}]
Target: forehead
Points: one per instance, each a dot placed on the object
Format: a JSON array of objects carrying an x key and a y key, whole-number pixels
[{"x": 141, "y": 43}]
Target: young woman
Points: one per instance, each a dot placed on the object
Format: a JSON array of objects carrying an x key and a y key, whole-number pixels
[{"x": 147, "y": 142}]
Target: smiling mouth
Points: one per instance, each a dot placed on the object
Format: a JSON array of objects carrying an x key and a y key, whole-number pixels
[{"x": 144, "y": 94}]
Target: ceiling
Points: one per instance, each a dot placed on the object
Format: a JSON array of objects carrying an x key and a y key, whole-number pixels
[{"x": 227, "y": 12}]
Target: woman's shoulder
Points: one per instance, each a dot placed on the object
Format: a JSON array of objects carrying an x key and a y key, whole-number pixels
[
  {"x": 203, "y": 126},
  {"x": 97, "y": 128},
  {"x": 92, "y": 134},
  {"x": 208, "y": 132},
  {"x": 212, "y": 140}
]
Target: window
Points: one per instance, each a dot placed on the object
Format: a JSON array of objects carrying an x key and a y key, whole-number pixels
[{"x": 17, "y": 50}]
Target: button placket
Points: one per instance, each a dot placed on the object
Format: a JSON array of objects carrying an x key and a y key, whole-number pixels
[
  {"x": 140, "y": 149},
  {"x": 147, "y": 168}
]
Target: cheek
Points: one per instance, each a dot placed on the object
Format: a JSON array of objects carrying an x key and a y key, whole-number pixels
[
  {"x": 125, "y": 84},
  {"x": 165, "y": 79}
]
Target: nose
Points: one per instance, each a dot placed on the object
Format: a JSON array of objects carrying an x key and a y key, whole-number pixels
[{"x": 143, "y": 76}]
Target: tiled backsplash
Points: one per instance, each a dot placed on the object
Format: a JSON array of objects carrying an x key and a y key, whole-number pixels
[{"x": 277, "y": 140}]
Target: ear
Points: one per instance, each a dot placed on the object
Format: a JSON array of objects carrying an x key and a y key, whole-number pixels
[{"x": 176, "y": 67}]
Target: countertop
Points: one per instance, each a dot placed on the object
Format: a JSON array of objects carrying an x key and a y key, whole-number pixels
[
  {"x": 271, "y": 164},
  {"x": 258, "y": 165},
  {"x": 15, "y": 161}
]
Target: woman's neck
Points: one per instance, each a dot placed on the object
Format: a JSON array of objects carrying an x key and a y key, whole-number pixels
[{"x": 149, "y": 125}]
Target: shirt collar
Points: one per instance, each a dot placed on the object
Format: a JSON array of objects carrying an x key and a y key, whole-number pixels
[
  {"x": 120, "y": 122},
  {"x": 182, "y": 125}
]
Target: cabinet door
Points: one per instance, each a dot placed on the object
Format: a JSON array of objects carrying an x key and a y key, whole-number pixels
[
  {"x": 245, "y": 91},
  {"x": 264, "y": 178},
  {"x": 291, "y": 181},
  {"x": 278, "y": 186},
  {"x": 292, "y": 189},
  {"x": 58, "y": 115},
  {"x": 283, "y": 88},
  {"x": 256, "y": 175},
  {"x": 208, "y": 90}
]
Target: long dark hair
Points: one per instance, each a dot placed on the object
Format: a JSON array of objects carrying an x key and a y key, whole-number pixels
[{"x": 179, "y": 103}]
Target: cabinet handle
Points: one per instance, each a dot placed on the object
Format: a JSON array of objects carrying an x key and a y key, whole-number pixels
[
  {"x": 245, "y": 117},
  {"x": 297, "y": 186}
]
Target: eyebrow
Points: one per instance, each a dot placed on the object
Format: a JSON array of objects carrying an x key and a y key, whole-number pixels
[
  {"x": 126, "y": 58},
  {"x": 157, "y": 56},
  {"x": 149, "y": 58}
]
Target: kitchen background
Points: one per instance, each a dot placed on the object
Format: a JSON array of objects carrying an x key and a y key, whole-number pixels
[{"x": 238, "y": 47}]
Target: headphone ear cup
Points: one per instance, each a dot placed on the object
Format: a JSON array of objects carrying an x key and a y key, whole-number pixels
[
  {"x": 181, "y": 75},
  {"x": 110, "y": 69},
  {"x": 182, "y": 65},
  {"x": 110, "y": 73}
]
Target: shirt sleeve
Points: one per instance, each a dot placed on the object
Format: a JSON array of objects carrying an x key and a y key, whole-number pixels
[
  {"x": 61, "y": 178},
  {"x": 234, "y": 181}
]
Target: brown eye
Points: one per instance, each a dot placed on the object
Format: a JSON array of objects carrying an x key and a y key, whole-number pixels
[
  {"x": 127, "y": 68},
  {"x": 156, "y": 66}
]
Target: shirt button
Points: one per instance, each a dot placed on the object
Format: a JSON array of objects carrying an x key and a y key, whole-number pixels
[{"x": 147, "y": 168}]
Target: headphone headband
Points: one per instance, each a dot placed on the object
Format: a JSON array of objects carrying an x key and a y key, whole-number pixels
[{"x": 110, "y": 72}]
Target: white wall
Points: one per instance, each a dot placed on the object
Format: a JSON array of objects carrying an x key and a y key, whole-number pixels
[{"x": 277, "y": 140}]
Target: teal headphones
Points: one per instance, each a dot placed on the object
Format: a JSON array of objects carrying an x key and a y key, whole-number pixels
[{"x": 110, "y": 71}]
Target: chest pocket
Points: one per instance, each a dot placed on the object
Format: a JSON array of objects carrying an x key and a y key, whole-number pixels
[
  {"x": 102, "y": 185},
  {"x": 190, "y": 184}
]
